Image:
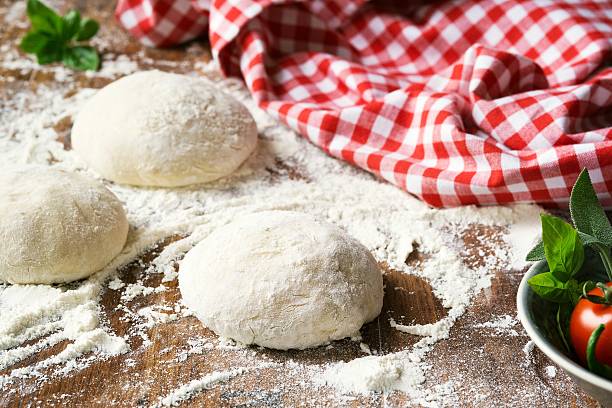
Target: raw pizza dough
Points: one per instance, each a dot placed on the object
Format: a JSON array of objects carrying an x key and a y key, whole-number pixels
[
  {"x": 282, "y": 280},
  {"x": 154, "y": 128},
  {"x": 56, "y": 226}
]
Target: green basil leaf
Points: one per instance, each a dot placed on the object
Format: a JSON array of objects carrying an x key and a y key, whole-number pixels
[
  {"x": 88, "y": 29},
  {"x": 52, "y": 51},
  {"x": 548, "y": 287},
  {"x": 34, "y": 41},
  {"x": 562, "y": 246},
  {"x": 574, "y": 290},
  {"x": 43, "y": 18},
  {"x": 536, "y": 253},
  {"x": 587, "y": 213},
  {"x": 81, "y": 58},
  {"x": 72, "y": 24}
]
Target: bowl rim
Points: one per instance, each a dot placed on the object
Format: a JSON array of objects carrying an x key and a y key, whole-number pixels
[{"x": 555, "y": 355}]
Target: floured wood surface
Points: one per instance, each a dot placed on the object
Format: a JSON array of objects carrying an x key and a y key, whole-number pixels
[{"x": 486, "y": 360}]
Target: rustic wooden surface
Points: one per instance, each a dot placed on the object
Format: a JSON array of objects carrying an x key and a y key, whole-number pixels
[{"x": 481, "y": 363}]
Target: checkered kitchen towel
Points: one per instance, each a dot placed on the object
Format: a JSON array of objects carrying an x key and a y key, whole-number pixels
[{"x": 457, "y": 102}]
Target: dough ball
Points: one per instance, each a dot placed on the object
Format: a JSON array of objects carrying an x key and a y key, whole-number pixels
[
  {"x": 56, "y": 226},
  {"x": 282, "y": 280},
  {"x": 159, "y": 129}
]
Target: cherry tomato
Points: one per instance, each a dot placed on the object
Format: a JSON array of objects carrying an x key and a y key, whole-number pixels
[{"x": 584, "y": 320}]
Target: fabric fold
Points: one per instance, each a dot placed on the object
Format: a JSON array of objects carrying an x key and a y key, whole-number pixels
[{"x": 457, "y": 102}]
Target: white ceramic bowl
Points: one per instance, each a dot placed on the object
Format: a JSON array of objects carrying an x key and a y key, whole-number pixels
[{"x": 538, "y": 318}]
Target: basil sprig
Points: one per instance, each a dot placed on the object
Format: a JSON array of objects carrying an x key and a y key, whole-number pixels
[
  {"x": 564, "y": 254},
  {"x": 55, "y": 38},
  {"x": 591, "y": 224},
  {"x": 563, "y": 248}
]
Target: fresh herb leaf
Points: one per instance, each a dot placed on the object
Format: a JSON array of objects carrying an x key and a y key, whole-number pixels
[
  {"x": 575, "y": 290},
  {"x": 43, "y": 18},
  {"x": 52, "y": 51},
  {"x": 33, "y": 42},
  {"x": 590, "y": 219},
  {"x": 87, "y": 30},
  {"x": 601, "y": 248},
  {"x": 81, "y": 58},
  {"x": 549, "y": 287},
  {"x": 587, "y": 213},
  {"x": 536, "y": 253},
  {"x": 71, "y": 23},
  {"x": 562, "y": 246},
  {"x": 588, "y": 240},
  {"x": 52, "y": 37}
]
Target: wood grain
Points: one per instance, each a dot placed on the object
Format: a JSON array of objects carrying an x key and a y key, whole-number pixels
[{"x": 486, "y": 368}]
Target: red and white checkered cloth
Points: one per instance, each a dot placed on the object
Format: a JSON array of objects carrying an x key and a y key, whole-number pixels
[{"x": 457, "y": 102}]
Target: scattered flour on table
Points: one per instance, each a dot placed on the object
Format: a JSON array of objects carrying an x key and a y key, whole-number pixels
[
  {"x": 112, "y": 66},
  {"x": 500, "y": 326},
  {"x": 186, "y": 391},
  {"x": 551, "y": 371},
  {"x": 528, "y": 352},
  {"x": 523, "y": 235},
  {"x": 391, "y": 223}
]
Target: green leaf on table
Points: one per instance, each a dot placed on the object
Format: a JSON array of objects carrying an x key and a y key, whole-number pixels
[
  {"x": 548, "y": 287},
  {"x": 562, "y": 246},
  {"x": 587, "y": 213},
  {"x": 81, "y": 58},
  {"x": 33, "y": 42},
  {"x": 52, "y": 51},
  {"x": 43, "y": 18},
  {"x": 536, "y": 253},
  {"x": 71, "y": 24},
  {"x": 52, "y": 38},
  {"x": 88, "y": 29}
]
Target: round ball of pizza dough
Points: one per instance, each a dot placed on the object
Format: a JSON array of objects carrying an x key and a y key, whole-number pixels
[
  {"x": 56, "y": 226},
  {"x": 155, "y": 128},
  {"x": 282, "y": 280}
]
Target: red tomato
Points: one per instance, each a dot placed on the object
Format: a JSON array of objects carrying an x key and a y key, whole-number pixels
[{"x": 586, "y": 317}]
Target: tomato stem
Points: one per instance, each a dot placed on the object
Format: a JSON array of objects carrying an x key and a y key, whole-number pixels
[
  {"x": 594, "y": 365},
  {"x": 605, "y": 299}
]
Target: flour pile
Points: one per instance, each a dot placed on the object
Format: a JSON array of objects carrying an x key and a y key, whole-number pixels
[{"x": 284, "y": 173}]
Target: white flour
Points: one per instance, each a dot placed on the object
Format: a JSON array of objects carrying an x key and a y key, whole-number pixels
[
  {"x": 186, "y": 391},
  {"x": 287, "y": 173},
  {"x": 551, "y": 371},
  {"x": 528, "y": 351},
  {"x": 500, "y": 326},
  {"x": 524, "y": 234}
]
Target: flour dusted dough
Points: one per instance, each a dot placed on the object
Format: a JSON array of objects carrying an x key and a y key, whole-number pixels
[
  {"x": 56, "y": 226},
  {"x": 159, "y": 129},
  {"x": 282, "y": 280}
]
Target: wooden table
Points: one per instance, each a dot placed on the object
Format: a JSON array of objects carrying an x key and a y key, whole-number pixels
[{"x": 492, "y": 368}]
